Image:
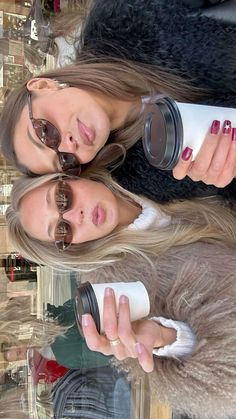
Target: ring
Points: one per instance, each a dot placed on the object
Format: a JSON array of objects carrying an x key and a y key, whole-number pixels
[{"x": 115, "y": 342}]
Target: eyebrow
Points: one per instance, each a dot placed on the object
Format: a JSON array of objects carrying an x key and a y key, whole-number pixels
[{"x": 42, "y": 146}]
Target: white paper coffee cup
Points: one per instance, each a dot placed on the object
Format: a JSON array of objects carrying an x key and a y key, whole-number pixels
[
  {"x": 90, "y": 299},
  {"x": 170, "y": 126}
]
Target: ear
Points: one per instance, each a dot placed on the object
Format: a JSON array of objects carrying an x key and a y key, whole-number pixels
[{"x": 42, "y": 84}]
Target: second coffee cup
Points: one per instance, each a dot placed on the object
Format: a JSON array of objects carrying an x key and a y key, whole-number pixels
[
  {"x": 170, "y": 126},
  {"x": 89, "y": 299}
]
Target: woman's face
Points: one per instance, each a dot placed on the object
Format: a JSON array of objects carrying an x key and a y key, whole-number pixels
[
  {"x": 91, "y": 210},
  {"x": 15, "y": 353},
  {"x": 83, "y": 120}
]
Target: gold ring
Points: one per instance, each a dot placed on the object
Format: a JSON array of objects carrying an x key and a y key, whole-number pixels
[{"x": 115, "y": 342}]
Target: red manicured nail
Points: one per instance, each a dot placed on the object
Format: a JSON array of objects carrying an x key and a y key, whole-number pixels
[
  {"x": 215, "y": 127},
  {"x": 227, "y": 127},
  {"x": 186, "y": 154},
  {"x": 234, "y": 134}
]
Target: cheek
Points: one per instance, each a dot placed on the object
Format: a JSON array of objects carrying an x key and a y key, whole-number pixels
[{"x": 86, "y": 154}]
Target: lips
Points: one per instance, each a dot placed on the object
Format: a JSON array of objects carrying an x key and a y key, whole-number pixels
[
  {"x": 98, "y": 216},
  {"x": 86, "y": 134}
]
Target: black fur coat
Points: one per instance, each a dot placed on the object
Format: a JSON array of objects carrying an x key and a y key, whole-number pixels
[{"x": 168, "y": 34}]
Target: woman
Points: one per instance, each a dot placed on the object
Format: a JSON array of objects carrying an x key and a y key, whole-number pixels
[
  {"x": 103, "y": 89},
  {"x": 194, "y": 284},
  {"x": 60, "y": 345},
  {"x": 84, "y": 223}
]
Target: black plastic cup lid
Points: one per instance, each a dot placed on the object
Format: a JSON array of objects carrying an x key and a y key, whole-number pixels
[
  {"x": 85, "y": 302},
  {"x": 163, "y": 133}
]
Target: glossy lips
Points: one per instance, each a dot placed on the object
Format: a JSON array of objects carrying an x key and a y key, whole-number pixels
[
  {"x": 87, "y": 134},
  {"x": 98, "y": 216}
]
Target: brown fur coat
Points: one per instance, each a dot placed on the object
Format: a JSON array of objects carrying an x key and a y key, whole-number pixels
[{"x": 195, "y": 284}]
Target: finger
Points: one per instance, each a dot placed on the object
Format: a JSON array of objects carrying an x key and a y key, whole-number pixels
[
  {"x": 229, "y": 170},
  {"x": 111, "y": 324},
  {"x": 216, "y": 167},
  {"x": 144, "y": 357},
  {"x": 203, "y": 160},
  {"x": 94, "y": 341},
  {"x": 125, "y": 327},
  {"x": 184, "y": 164}
]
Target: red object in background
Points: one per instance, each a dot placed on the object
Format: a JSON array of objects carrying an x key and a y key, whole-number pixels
[
  {"x": 56, "y": 6},
  {"x": 44, "y": 369}
]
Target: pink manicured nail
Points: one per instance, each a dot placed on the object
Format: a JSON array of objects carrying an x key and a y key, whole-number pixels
[
  {"x": 186, "y": 154},
  {"x": 227, "y": 127},
  {"x": 123, "y": 299},
  {"x": 234, "y": 134},
  {"x": 139, "y": 348},
  {"x": 215, "y": 127},
  {"x": 85, "y": 320},
  {"x": 108, "y": 292}
]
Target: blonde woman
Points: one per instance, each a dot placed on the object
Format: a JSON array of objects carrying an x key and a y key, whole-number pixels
[
  {"x": 183, "y": 252},
  {"x": 87, "y": 222}
]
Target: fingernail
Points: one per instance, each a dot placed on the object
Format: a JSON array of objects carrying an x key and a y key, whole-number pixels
[
  {"x": 85, "y": 320},
  {"x": 108, "y": 292},
  {"x": 227, "y": 127},
  {"x": 234, "y": 134},
  {"x": 186, "y": 154},
  {"x": 123, "y": 299},
  {"x": 215, "y": 127},
  {"x": 139, "y": 348}
]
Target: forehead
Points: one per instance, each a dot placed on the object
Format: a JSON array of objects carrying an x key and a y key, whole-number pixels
[{"x": 35, "y": 203}]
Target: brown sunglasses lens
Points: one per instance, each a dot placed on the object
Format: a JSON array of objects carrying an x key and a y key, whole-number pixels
[
  {"x": 69, "y": 163},
  {"x": 47, "y": 133},
  {"x": 63, "y": 235}
]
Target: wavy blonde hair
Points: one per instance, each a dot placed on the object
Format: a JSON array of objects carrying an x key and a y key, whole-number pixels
[{"x": 192, "y": 221}]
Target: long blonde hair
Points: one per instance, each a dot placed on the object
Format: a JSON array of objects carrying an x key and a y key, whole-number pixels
[{"x": 192, "y": 221}]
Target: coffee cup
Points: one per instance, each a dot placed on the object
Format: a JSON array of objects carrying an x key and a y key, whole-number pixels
[
  {"x": 170, "y": 126},
  {"x": 89, "y": 299}
]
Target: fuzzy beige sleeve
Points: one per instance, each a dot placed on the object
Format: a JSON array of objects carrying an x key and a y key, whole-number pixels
[
  {"x": 204, "y": 384},
  {"x": 196, "y": 285}
]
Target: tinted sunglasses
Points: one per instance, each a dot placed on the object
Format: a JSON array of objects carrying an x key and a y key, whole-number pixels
[
  {"x": 50, "y": 136},
  {"x": 63, "y": 233}
]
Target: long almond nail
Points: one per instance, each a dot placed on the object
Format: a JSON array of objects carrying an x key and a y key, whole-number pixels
[
  {"x": 186, "y": 154},
  {"x": 215, "y": 127},
  {"x": 234, "y": 134},
  {"x": 226, "y": 127}
]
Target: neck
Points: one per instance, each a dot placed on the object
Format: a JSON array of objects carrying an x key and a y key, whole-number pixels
[
  {"x": 120, "y": 111},
  {"x": 128, "y": 212},
  {"x": 124, "y": 111}
]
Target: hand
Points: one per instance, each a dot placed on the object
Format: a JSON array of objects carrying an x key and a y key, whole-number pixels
[
  {"x": 137, "y": 339},
  {"x": 215, "y": 163}
]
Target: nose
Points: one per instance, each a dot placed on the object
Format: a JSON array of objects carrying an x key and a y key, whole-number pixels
[
  {"x": 74, "y": 216},
  {"x": 68, "y": 143}
]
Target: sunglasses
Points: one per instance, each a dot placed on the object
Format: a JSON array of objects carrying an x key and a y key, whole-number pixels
[
  {"x": 50, "y": 136},
  {"x": 63, "y": 233}
]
